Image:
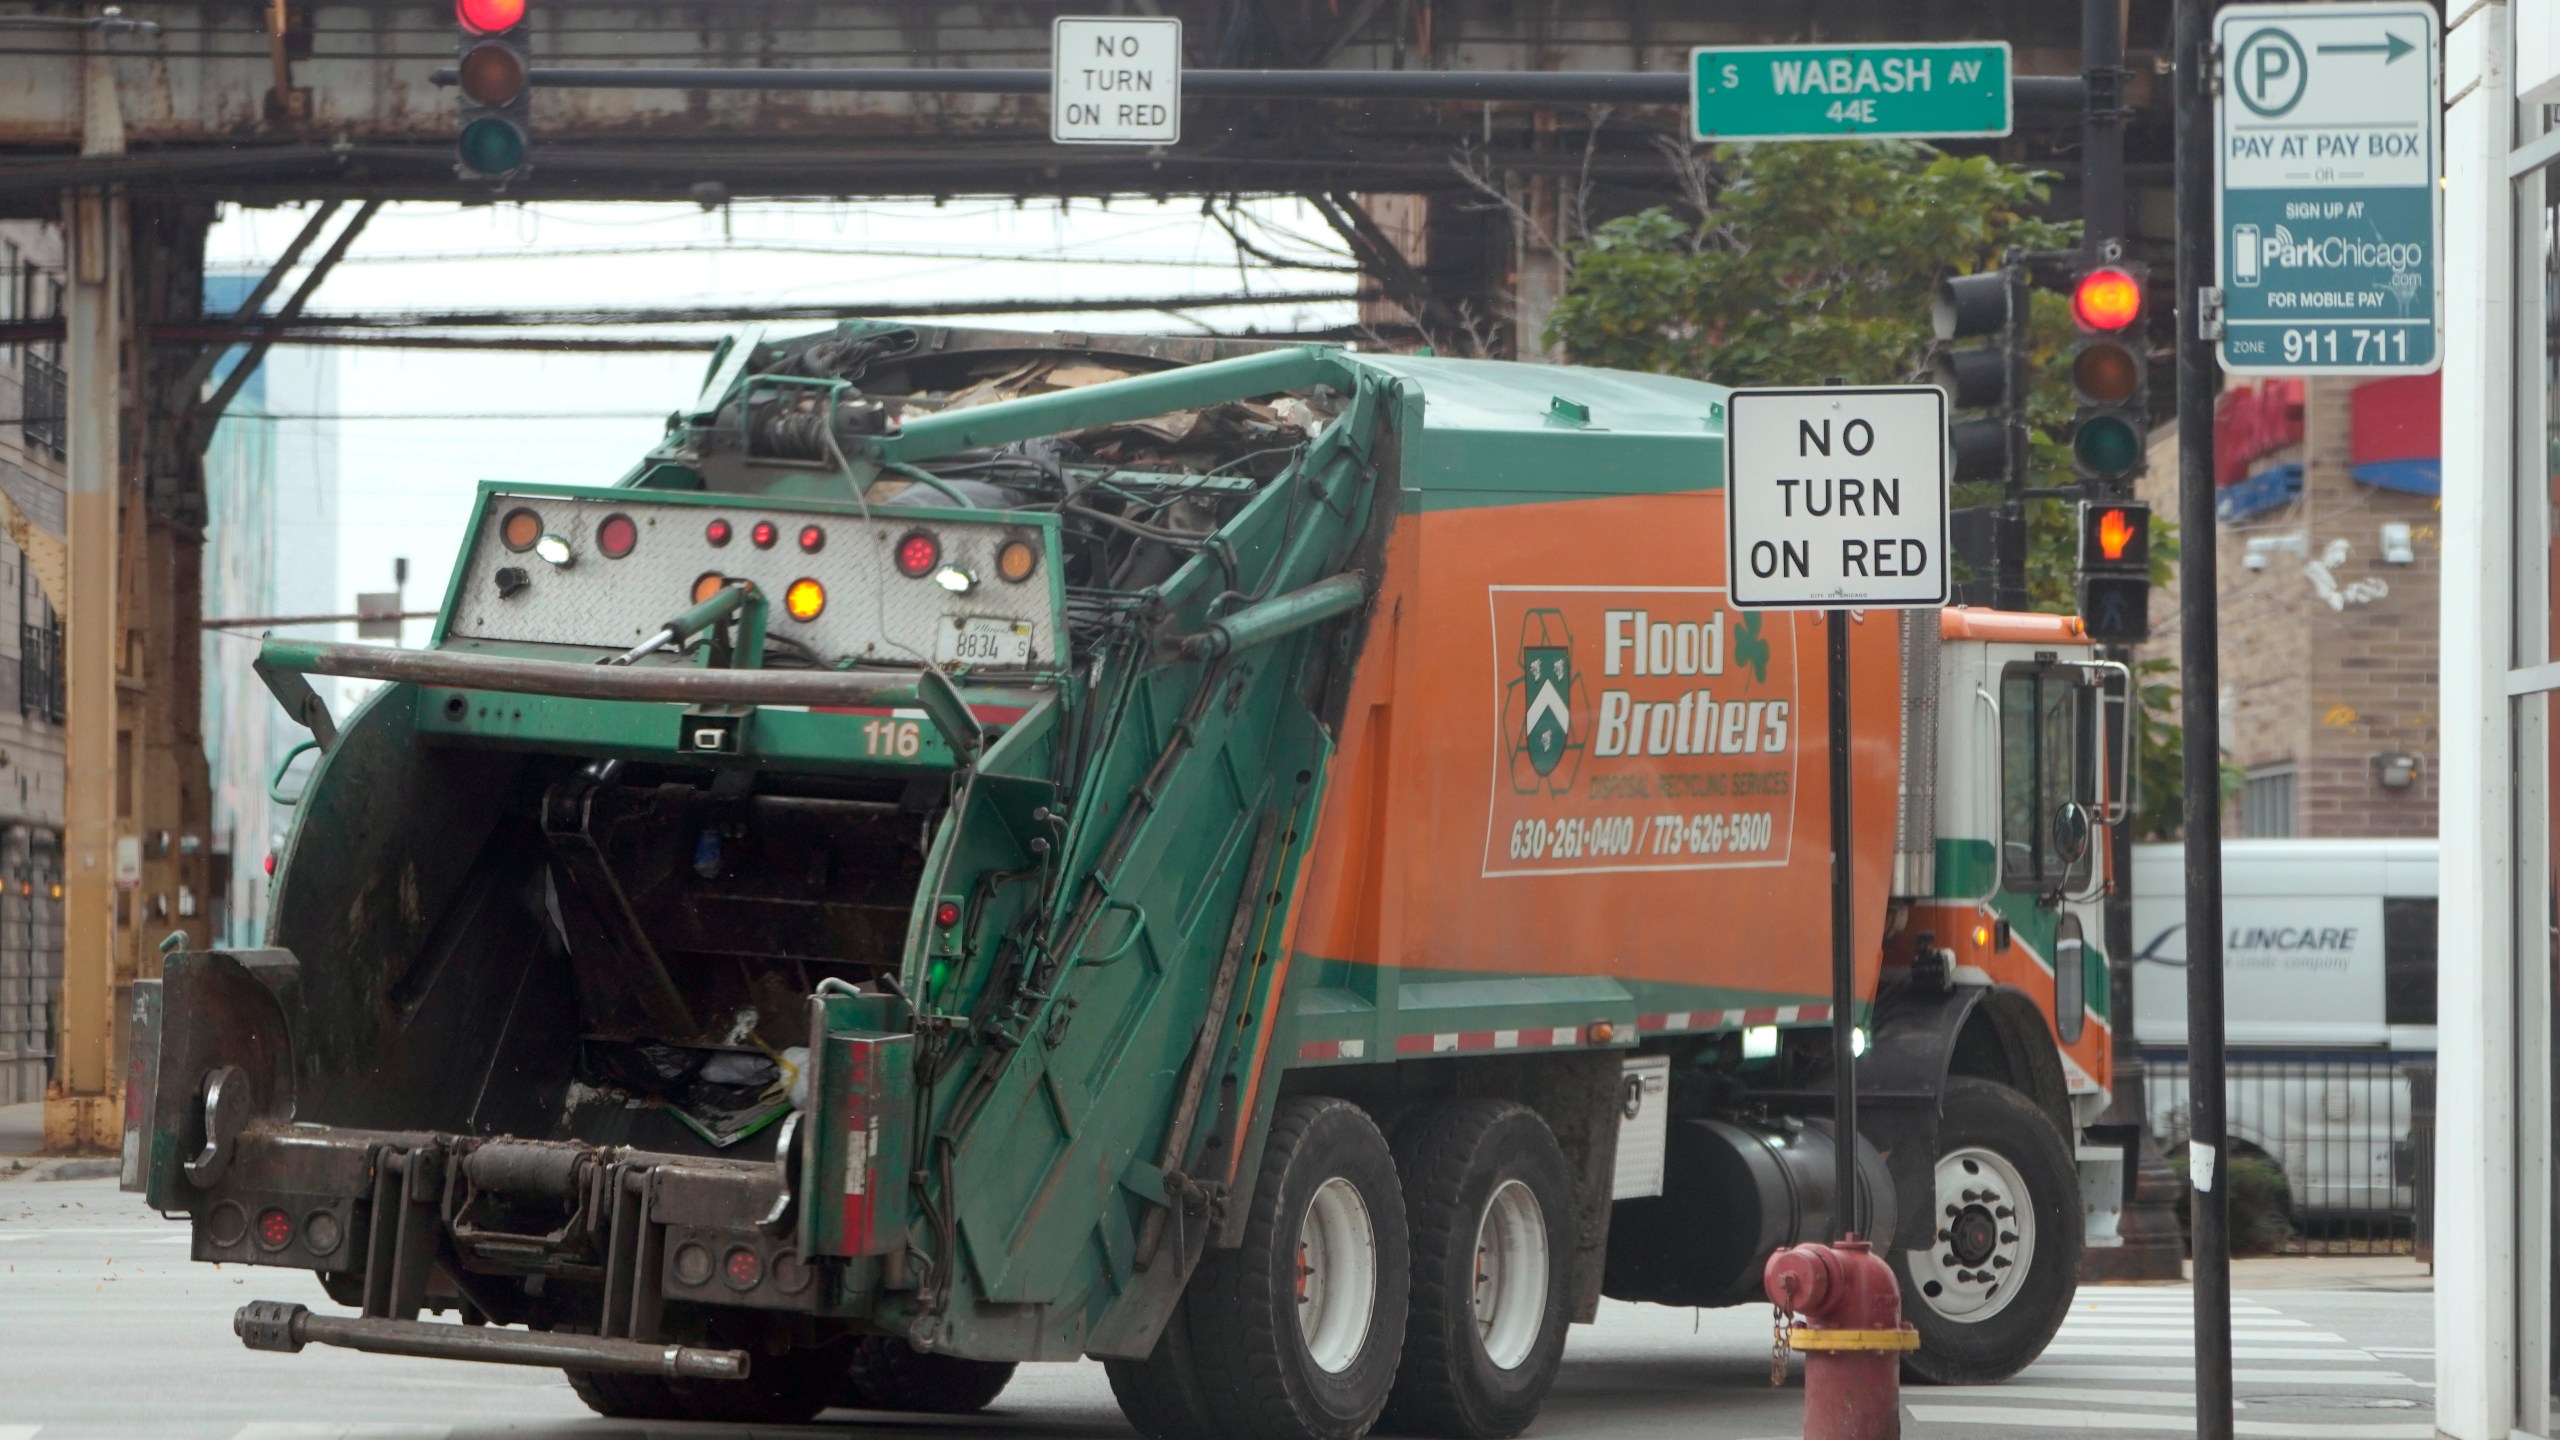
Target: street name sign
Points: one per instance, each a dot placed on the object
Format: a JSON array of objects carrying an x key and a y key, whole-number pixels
[
  {"x": 1115, "y": 80},
  {"x": 1836, "y": 498},
  {"x": 1848, "y": 92},
  {"x": 2328, "y": 214}
]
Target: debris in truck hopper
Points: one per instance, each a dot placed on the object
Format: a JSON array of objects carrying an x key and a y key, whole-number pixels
[{"x": 724, "y": 1096}]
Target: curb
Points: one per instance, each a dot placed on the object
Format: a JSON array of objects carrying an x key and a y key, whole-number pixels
[{"x": 37, "y": 1167}]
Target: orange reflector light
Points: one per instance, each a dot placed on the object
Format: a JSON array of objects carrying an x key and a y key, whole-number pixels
[
  {"x": 615, "y": 535},
  {"x": 1982, "y": 933},
  {"x": 488, "y": 17},
  {"x": 520, "y": 529},
  {"x": 493, "y": 73},
  {"x": 918, "y": 553},
  {"x": 707, "y": 584},
  {"x": 763, "y": 535},
  {"x": 2106, "y": 300},
  {"x": 1016, "y": 559},
  {"x": 804, "y": 599}
]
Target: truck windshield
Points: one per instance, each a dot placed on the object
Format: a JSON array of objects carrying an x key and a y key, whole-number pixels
[{"x": 2046, "y": 779}]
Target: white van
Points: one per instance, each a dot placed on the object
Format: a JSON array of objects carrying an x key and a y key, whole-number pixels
[{"x": 2329, "y": 995}]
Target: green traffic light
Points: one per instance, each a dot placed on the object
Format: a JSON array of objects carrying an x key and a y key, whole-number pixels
[
  {"x": 491, "y": 146},
  {"x": 2106, "y": 445}
]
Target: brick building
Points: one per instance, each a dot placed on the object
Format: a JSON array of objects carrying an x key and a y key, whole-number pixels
[
  {"x": 2329, "y": 561},
  {"x": 31, "y": 698}
]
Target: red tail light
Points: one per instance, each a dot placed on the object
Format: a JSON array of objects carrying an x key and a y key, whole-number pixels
[
  {"x": 275, "y": 1228},
  {"x": 918, "y": 553},
  {"x": 616, "y": 535},
  {"x": 763, "y": 535},
  {"x": 717, "y": 532}
]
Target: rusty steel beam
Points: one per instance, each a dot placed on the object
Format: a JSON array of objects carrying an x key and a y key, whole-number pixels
[{"x": 209, "y": 414}]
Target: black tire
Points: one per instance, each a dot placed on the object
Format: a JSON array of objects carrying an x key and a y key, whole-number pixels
[
  {"x": 1959, "y": 1349},
  {"x": 1258, "y": 1378},
  {"x": 1160, "y": 1395},
  {"x": 783, "y": 1389},
  {"x": 1455, "y": 1159},
  {"x": 888, "y": 1374},
  {"x": 627, "y": 1397}
]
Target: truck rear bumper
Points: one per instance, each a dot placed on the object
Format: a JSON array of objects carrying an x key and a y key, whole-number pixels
[{"x": 557, "y": 1235}]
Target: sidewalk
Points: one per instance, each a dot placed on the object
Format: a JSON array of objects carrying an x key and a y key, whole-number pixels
[
  {"x": 2386, "y": 1274},
  {"x": 22, "y": 1149}
]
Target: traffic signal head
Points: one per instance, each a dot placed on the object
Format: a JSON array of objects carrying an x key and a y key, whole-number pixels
[
  {"x": 2109, "y": 377},
  {"x": 1977, "y": 377},
  {"x": 2115, "y": 609},
  {"x": 1969, "y": 305},
  {"x": 495, "y": 79}
]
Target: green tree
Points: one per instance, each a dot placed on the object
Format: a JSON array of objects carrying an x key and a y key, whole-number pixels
[{"x": 1803, "y": 264}]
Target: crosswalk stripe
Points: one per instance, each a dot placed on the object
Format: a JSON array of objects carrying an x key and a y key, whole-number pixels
[
  {"x": 338, "y": 1430},
  {"x": 19, "y": 1432},
  {"x": 2051, "y": 1420},
  {"x": 2170, "y": 1399},
  {"x": 2238, "y": 1352},
  {"x": 2042, "y": 1371},
  {"x": 2162, "y": 1332}
]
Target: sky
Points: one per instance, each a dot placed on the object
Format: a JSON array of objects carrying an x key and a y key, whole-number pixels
[{"x": 417, "y": 430}]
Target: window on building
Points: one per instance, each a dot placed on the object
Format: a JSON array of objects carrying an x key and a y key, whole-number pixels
[
  {"x": 11, "y": 262},
  {"x": 2266, "y": 803},
  {"x": 2409, "y": 961}
]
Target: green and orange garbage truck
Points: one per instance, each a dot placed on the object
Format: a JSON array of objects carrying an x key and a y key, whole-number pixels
[{"x": 1270, "y": 866}]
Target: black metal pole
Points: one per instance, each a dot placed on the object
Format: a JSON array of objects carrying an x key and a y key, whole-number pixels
[
  {"x": 2009, "y": 536},
  {"x": 2200, "y": 681},
  {"x": 2048, "y": 93},
  {"x": 1844, "y": 972}
]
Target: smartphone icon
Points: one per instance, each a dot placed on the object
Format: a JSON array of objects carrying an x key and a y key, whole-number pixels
[{"x": 2244, "y": 255}]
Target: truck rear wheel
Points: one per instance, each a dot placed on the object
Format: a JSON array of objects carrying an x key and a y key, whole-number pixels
[
  {"x": 1160, "y": 1395},
  {"x": 1294, "y": 1334},
  {"x": 889, "y": 1374},
  {"x": 1487, "y": 1197},
  {"x": 2003, "y": 1254}
]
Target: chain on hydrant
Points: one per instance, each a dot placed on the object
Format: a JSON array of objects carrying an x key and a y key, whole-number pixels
[{"x": 1851, "y": 1335}]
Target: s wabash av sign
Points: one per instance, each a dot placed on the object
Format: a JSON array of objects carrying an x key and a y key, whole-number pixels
[{"x": 1848, "y": 92}]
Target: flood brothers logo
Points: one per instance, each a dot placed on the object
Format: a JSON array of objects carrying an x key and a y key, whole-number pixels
[
  {"x": 1538, "y": 707},
  {"x": 1546, "y": 704}
]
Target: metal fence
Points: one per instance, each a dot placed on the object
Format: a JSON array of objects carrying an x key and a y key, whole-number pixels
[{"x": 2332, "y": 1151}]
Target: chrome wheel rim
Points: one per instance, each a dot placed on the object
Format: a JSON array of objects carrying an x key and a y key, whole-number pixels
[
  {"x": 1511, "y": 1264},
  {"x": 1337, "y": 1275},
  {"x": 1984, "y": 1240}
]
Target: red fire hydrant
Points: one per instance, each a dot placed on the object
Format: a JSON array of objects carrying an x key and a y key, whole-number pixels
[{"x": 1852, "y": 1337}]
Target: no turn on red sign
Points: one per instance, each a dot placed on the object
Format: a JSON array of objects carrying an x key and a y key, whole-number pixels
[
  {"x": 1115, "y": 80},
  {"x": 1836, "y": 498}
]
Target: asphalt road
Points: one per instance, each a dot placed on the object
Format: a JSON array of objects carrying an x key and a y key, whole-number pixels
[{"x": 107, "y": 1330}]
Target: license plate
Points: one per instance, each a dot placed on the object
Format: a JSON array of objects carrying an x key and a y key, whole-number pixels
[{"x": 974, "y": 641}]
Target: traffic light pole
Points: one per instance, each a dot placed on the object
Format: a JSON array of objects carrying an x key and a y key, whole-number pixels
[
  {"x": 2200, "y": 685},
  {"x": 2154, "y": 1246},
  {"x": 2009, "y": 537}
]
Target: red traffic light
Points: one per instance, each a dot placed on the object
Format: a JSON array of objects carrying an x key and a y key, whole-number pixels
[
  {"x": 488, "y": 17},
  {"x": 2106, "y": 299}
]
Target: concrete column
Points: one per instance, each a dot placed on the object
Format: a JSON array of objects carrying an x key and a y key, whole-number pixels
[
  {"x": 83, "y": 1111},
  {"x": 2477, "y": 1234}
]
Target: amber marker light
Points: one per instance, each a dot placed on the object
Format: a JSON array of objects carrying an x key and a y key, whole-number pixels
[
  {"x": 1015, "y": 560},
  {"x": 804, "y": 600},
  {"x": 520, "y": 529},
  {"x": 707, "y": 584}
]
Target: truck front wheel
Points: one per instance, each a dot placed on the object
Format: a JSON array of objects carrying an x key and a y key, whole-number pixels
[
  {"x": 1294, "y": 1335},
  {"x": 2002, "y": 1256},
  {"x": 1489, "y": 1202}
]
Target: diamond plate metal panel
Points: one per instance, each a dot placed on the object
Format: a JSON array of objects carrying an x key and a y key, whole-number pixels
[{"x": 872, "y": 612}]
